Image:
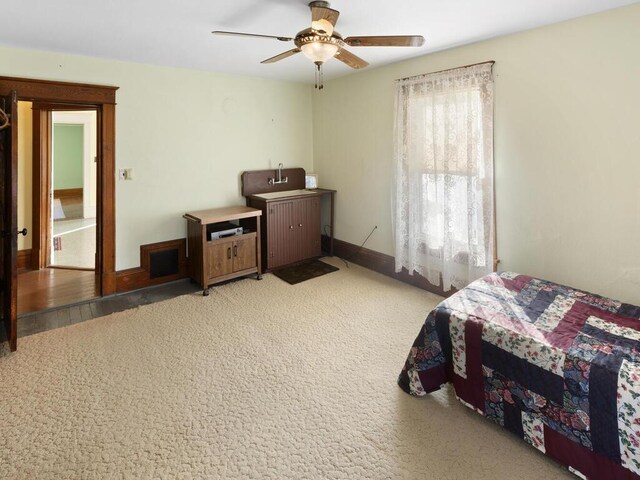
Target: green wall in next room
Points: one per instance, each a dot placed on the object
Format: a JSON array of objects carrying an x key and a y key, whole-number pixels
[{"x": 67, "y": 156}]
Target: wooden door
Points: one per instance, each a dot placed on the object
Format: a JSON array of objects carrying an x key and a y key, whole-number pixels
[
  {"x": 8, "y": 218},
  {"x": 281, "y": 234},
  {"x": 309, "y": 226},
  {"x": 219, "y": 259},
  {"x": 244, "y": 253}
]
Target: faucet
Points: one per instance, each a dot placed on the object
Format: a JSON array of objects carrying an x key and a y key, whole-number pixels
[{"x": 273, "y": 181}]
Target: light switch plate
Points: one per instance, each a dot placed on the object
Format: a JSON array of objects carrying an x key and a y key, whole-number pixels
[{"x": 125, "y": 174}]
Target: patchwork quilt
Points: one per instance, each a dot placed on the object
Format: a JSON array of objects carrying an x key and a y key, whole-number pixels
[{"x": 558, "y": 367}]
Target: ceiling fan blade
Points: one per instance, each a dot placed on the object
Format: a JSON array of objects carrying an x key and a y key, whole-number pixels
[
  {"x": 386, "y": 41},
  {"x": 281, "y": 56},
  {"x": 323, "y": 18},
  {"x": 350, "y": 59},
  {"x": 240, "y": 34}
]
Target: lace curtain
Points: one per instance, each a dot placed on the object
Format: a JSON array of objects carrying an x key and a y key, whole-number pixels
[{"x": 444, "y": 212}]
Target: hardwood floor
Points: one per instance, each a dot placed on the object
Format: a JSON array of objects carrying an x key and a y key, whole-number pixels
[
  {"x": 36, "y": 322},
  {"x": 54, "y": 287}
]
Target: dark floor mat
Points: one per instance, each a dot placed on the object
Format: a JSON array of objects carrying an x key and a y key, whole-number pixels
[{"x": 304, "y": 271}]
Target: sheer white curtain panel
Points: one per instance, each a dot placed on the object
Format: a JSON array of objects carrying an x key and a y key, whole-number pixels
[{"x": 443, "y": 196}]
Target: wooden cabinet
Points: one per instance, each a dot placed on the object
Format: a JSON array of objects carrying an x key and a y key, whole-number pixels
[
  {"x": 224, "y": 257},
  {"x": 291, "y": 215},
  {"x": 292, "y": 227},
  {"x": 309, "y": 228},
  {"x": 213, "y": 261},
  {"x": 244, "y": 252}
]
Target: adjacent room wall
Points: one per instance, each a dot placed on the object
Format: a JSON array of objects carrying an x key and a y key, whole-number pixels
[
  {"x": 567, "y": 166},
  {"x": 186, "y": 134},
  {"x": 88, "y": 122},
  {"x": 67, "y": 156},
  {"x": 25, "y": 147}
]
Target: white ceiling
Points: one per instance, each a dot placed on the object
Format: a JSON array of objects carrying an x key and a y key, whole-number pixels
[{"x": 168, "y": 32}]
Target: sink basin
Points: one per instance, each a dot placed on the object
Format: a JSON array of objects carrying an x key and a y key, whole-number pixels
[{"x": 286, "y": 193}]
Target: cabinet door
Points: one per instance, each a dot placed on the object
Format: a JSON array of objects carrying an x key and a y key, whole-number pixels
[
  {"x": 219, "y": 259},
  {"x": 244, "y": 253},
  {"x": 309, "y": 227},
  {"x": 280, "y": 234}
]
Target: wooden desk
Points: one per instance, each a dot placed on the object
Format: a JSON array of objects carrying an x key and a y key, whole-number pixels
[{"x": 214, "y": 261}]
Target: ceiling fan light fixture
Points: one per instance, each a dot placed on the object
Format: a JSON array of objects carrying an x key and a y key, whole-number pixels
[
  {"x": 323, "y": 25},
  {"x": 321, "y": 42},
  {"x": 319, "y": 51}
]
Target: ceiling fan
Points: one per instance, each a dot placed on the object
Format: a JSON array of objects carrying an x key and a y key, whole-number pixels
[{"x": 321, "y": 42}]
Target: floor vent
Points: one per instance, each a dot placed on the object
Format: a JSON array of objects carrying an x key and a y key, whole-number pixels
[
  {"x": 159, "y": 263},
  {"x": 163, "y": 263}
]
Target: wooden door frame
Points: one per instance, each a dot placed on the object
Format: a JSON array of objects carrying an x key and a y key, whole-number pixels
[
  {"x": 40, "y": 186},
  {"x": 41, "y": 180},
  {"x": 75, "y": 95}
]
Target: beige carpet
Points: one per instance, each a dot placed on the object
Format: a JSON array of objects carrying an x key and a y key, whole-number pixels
[{"x": 259, "y": 380}]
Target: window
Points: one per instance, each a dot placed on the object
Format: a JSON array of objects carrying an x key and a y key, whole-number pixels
[{"x": 444, "y": 175}]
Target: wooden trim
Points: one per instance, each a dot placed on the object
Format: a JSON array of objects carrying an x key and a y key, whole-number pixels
[
  {"x": 67, "y": 193},
  {"x": 74, "y": 107},
  {"x": 257, "y": 181},
  {"x": 41, "y": 183},
  {"x": 139, "y": 277},
  {"x": 24, "y": 259},
  {"x": 63, "y": 92},
  {"x": 385, "y": 264},
  {"x": 147, "y": 250},
  {"x": 106, "y": 259},
  {"x": 60, "y": 95}
]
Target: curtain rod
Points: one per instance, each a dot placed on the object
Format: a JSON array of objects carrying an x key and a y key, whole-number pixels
[{"x": 492, "y": 62}]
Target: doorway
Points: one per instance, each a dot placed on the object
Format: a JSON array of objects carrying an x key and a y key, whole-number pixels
[
  {"x": 72, "y": 242},
  {"x": 36, "y": 262},
  {"x": 66, "y": 156}
]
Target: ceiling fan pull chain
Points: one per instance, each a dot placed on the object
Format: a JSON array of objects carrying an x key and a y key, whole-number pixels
[{"x": 319, "y": 76}]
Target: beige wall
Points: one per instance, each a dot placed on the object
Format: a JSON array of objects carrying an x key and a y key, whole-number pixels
[
  {"x": 25, "y": 148},
  {"x": 187, "y": 135},
  {"x": 566, "y": 143},
  {"x": 567, "y": 148}
]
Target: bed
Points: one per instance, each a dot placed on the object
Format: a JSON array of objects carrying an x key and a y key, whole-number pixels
[{"x": 558, "y": 367}]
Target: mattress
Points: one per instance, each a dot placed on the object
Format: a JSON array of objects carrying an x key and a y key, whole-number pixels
[{"x": 556, "y": 366}]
